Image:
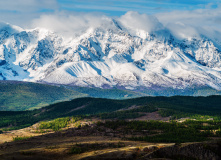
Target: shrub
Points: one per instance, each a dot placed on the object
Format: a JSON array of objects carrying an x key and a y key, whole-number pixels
[
  {"x": 76, "y": 150},
  {"x": 56, "y": 124},
  {"x": 20, "y": 138}
]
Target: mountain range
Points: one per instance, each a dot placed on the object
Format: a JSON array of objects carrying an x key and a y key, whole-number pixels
[{"x": 110, "y": 56}]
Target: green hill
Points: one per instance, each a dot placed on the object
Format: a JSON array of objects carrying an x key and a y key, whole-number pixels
[
  {"x": 18, "y": 96},
  {"x": 107, "y": 93},
  {"x": 176, "y": 107}
]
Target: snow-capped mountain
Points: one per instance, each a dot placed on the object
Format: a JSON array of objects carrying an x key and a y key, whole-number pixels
[{"x": 109, "y": 56}]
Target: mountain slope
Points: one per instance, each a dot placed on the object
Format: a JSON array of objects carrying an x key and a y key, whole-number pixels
[
  {"x": 107, "y": 93},
  {"x": 20, "y": 96},
  {"x": 110, "y": 56}
]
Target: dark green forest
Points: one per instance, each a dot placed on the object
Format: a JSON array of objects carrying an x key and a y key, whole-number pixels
[
  {"x": 157, "y": 131},
  {"x": 200, "y": 108}
]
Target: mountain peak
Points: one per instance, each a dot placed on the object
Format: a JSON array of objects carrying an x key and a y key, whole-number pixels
[
  {"x": 110, "y": 55},
  {"x": 10, "y": 28}
]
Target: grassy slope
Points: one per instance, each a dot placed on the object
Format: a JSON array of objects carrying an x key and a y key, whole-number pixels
[
  {"x": 107, "y": 93},
  {"x": 19, "y": 96},
  {"x": 195, "y": 91},
  {"x": 22, "y": 96},
  {"x": 142, "y": 92}
]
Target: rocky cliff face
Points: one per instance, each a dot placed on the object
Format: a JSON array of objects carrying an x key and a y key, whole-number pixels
[{"x": 109, "y": 56}]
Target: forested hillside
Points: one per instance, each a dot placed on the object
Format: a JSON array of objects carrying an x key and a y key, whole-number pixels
[
  {"x": 173, "y": 107},
  {"x": 18, "y": 96}
]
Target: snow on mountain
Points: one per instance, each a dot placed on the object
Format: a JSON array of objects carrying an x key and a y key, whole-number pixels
[{"x": 110, "y": 55}]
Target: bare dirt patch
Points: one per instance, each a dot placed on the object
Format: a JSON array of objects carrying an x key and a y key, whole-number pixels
[
  {"x": 130, "y": 108},
  {"x": 78, "y": 108},
  {"x": 152, "y": 116},
  {"x": 9, "y": 135}
]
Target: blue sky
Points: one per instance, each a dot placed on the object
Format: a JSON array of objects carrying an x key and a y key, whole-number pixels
[
  {"x": 186, "y": 16},
  {"x": 116, "y": 7},
  {"x": 109, "y": 7}
]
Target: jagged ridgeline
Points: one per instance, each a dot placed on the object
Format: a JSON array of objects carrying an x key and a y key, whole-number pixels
[{"x": 110, "y": 56}]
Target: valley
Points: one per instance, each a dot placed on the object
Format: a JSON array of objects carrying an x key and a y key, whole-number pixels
[{"x": 110, "y": 80}]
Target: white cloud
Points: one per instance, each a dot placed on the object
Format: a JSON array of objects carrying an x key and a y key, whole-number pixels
[
  {"x": 182, "y": 31},
  {"x": 73, "y": 24},
  {"x": 134, "y": 21},
  {"x": 184, "y": 24},
  {"x": 69, "y": 24}
]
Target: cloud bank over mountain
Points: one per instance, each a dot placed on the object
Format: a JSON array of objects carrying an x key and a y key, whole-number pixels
[
  {"x": 179, "y": 49},
  {"x": 192, "y": 23},
  {"x": 69, "y": 24},
  {"x": 182, "y": 24},
  {"x": 62, "y": 16}
]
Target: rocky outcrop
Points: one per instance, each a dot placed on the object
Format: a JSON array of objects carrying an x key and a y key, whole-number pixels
[{"x": 198, "y": 151}]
